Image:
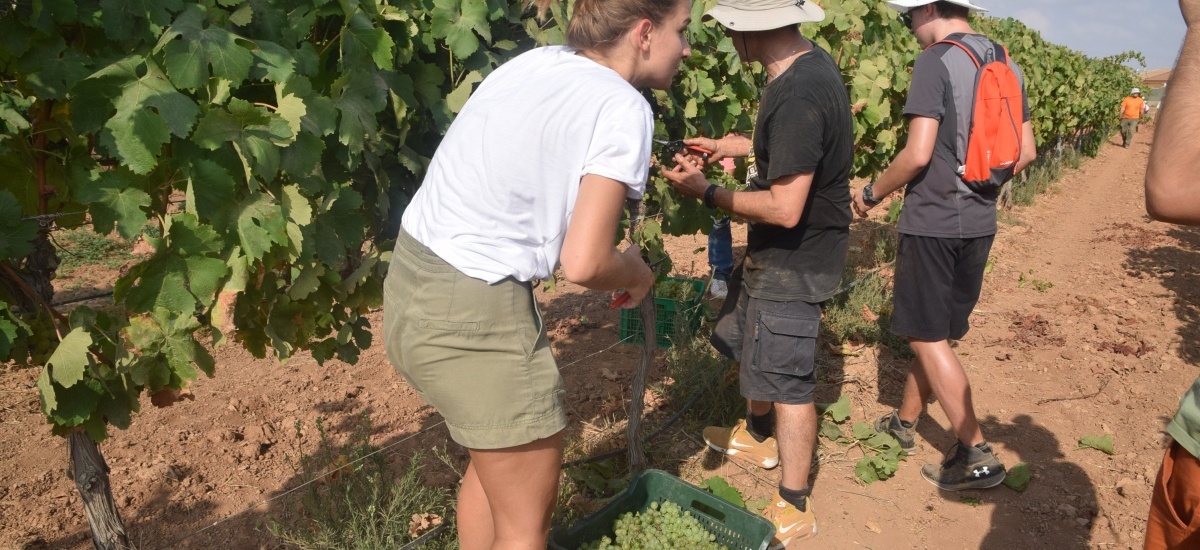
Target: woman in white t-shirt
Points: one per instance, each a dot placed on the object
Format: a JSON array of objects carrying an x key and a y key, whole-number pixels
[{"x": 532, "y": 174}]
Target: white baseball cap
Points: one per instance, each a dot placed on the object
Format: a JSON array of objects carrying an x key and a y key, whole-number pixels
[
  {"x": 1135, "y": 91},
  {"x": 764, "y": 15},
  {"x": 903, "y": 6}
]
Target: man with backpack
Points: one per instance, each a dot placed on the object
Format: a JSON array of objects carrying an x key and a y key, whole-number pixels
[{"x": 968, "y": 133}]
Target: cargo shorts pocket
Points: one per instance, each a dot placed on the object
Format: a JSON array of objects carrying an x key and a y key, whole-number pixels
[{"x": 785, "y": 345}]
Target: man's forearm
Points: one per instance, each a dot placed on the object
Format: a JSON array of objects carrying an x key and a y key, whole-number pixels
[
  {"x": 902, "y": 170},
  {"x": 755, "y": 206},
  {"x": 1173, "y": 173}
]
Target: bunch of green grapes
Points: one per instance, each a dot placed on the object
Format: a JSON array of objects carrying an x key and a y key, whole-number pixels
[
  {"x": 680, "y": 291},
  {"x": 665, "y": 527}
]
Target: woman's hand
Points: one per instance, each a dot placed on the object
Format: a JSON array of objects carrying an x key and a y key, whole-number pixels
[{"x": 643, "y": 277}]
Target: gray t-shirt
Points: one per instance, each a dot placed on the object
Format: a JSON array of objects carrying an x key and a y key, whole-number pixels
[{"x": 936, "y": 202}]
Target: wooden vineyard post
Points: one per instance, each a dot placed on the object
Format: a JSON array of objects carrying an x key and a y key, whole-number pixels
[
  {"x": 633, "y": 431},
  {"x": 90, "y": 473}
]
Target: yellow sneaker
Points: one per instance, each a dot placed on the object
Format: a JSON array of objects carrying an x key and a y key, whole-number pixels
[
  {"x": 790, "y": 523},
  {"x": 738, "y": 443}
]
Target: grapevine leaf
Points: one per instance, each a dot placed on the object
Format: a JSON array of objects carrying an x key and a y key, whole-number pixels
[
  {"x": 1102, "y": 443},
  {"x": 275, "y": 63},
  {"x": 195, "y": 48},
  {"x": 260, "y": 224},
  {"x": 16, "y": 235},
  {"x": 115, "y": 199},
  {"x": 338, "y": 224},
  {"x": 148, "y": 110},
  {"x": 865, "y": 470},
  {"x": 830, "y": 431},
  {"x": 838, "y": 412},
  {"x": 8, "y": 333},
  {"x": 427, "y": 83},
  {"x": 121, "y": 18},
  {"x": 252, "y": 130},
  {"x": 156, "y": 283},
  {"x": 46, "y": 392},
  {"x": 458, "y": 22},
  {"x": 459, "y": 96},
  {"x": 307, "y": 282},
  {"x": 243, "y": 16},
  {"x": 77, "y": 403},
  {"x": 360, "y": 96},
  {"x": 362, "y": 42},
  {"x": 70, "y": 358},
  {"x": 292, "y": 110},
  {"x": 296, "y": 205},
  {"x": 303, "y": 157},
  {"x": 721, "y": 488},
  {"x": 50, "y": 68},
  {"x": 213, "y": 190},
  {"x": 863, "y": 431},
  {"x": 1018, "y": 477}
]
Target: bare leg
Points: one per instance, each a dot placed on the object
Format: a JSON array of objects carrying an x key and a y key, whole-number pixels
[
  {"x": 948, "y": 381},
  {"x": 759, "y": 408},
  {"x": 518, "y": 486},
  {"x": 796, "y": 433},
  {"x": 916, "y": 393},
  {"x": 475, "y": 529}
]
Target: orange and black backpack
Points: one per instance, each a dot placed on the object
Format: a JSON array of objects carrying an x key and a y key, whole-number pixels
[{"x": 994, "y": 128}]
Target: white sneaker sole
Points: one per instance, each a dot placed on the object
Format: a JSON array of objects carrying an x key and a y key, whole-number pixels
[{"x": 765, "y": 463}]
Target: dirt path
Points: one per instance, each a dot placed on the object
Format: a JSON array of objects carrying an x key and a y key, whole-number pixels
[{"x": 1116, "y": 325}]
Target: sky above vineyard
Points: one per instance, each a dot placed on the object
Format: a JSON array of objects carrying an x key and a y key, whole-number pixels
[{"x": 1100, "y": 28}]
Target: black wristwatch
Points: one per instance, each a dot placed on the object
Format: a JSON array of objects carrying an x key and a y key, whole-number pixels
[
  {"x": 868, "y": 195},
  {"x": 710, "y": 196}
]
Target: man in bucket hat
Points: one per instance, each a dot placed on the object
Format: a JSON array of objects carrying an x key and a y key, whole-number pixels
[
  {"x": 797, "y": 204},
  {"x": 946, "y": 231},
  {"x": 1132, "y": 108}
]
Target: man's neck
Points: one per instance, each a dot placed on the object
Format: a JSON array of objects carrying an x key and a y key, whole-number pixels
[
  {"x": 948, "y": 27},
  {"x": 777, "y": 61}
]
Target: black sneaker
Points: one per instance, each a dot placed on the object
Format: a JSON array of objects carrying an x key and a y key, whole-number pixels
[
  {"x": 890, "y": 424},
  {"x": 966, "y": 467}
]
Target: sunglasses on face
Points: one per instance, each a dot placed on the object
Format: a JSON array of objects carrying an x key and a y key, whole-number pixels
[{"x": 907, "y": 18}]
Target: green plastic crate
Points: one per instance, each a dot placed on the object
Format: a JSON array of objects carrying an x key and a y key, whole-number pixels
[
  {"x": 734, "y": 527},
  {"x": 675, "y": 318}
]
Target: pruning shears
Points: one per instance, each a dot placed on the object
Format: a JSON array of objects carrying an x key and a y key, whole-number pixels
[
  {"x": 624, "y": 297},
  {"x": 671, "y": 148}
]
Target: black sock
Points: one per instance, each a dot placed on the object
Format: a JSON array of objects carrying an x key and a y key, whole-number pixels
[
  {"x": 795, "y": 498},
  {"x": 761, "y": 427},
  {"x": 906, "y": 424},
  {"x": 983, "y": 446}
]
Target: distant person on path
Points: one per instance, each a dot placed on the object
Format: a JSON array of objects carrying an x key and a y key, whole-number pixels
[
  {"x": 1132, "y": 108},
  {"x": 1173, "y": 195},
  {"x": 798, "y": 207},
  {"x": 533, "y": 173},
  {"x": 946, "y": 233}
]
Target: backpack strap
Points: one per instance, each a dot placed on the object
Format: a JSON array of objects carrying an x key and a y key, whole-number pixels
[{"x": 999, "y": 53}]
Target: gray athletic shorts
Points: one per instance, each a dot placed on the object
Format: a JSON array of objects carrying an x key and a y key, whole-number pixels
[
  {"x": 477, "y": 352},
  {"x": 774, "y": 342},
  {"x": 937, "y": 284}
]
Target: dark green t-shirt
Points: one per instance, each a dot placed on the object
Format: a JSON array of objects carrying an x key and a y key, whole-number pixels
[{"x": 804, "y": 125}]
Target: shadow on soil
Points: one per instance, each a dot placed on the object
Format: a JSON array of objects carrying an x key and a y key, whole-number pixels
[
  {"x": 1059, "y": 507},
  {"x": 1175, "y": 262}
]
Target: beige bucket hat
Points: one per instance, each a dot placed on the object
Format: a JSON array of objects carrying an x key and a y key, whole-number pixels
[{"x": 764, "y": 15}]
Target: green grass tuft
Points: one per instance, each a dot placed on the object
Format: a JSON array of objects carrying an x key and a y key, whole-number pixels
[{"x": 364, "y": 505}]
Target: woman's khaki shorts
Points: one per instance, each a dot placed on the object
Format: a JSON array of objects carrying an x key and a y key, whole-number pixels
[{"x": 476, "y": 352}]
